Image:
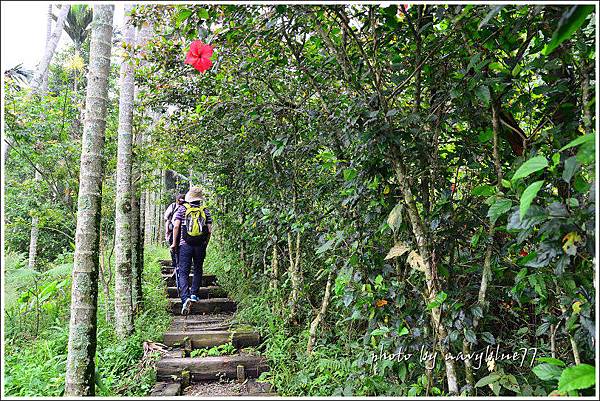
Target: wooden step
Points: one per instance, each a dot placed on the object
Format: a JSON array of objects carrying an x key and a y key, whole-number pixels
[
  {"x": 212, "y": 338},
  {"x": 207, "y": 280},
  {"x": 210, "y": 367},
  {"x": 166, "y": 389},
  {"x": 165, "y": 262},
  {"x": 212, "y": 305},
  {"x": 213, "y": 291}
]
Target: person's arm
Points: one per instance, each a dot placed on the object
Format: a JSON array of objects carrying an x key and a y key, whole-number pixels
[
  {"x": 166, "y": 217},
  {"x": 208, "y": 224},
  {"x": 176, "y": 228}
]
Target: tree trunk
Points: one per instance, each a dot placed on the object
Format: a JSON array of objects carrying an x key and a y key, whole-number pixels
[
  {"x": 42, "y": 70},
  {"x": 274, "y": 267},
  {"x": 294, "y": 275},
  {"x": 35, "y": 230},
  {"x": 317, "y": 320},
  {"x": 418, "y": 229},
  {"x": 80, "y": 369},
  {"x": 123, "y": 283},
  {"x": 44, "y": 86}
]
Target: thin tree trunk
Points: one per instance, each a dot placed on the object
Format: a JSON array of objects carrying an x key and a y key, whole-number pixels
[
  {"x": 317, "y": 320},
  {"x": 123, "y": 283},
  {"x": 44, "y": 86},
  {"x": 274, "y": 267},
  {"x": 486, "y": 274},
  {"x": 430, "y": 274},
  {"x": 35, "y": 230},
  {"x": 294, "y": 274},
  {"x": 42, "y": 70},
  {"x": 80, "y": 369}
]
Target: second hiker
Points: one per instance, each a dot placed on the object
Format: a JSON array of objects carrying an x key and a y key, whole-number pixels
[{"x": 194, "y": 222}]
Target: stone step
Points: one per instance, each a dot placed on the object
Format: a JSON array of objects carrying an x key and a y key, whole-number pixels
[
  {"x": 165, "y": 262},
  {"x": 166, "y": 389},
  {"x": 212, "y": 305},
  {"x": 212, "y": 338},
  {"x": 207, "y": 280},
  {"x": 210, "y": 367},
  {"x": 213, "y": 291}
]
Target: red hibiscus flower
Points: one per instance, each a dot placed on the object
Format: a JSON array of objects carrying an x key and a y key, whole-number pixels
[{"x": 199, "y": 56}]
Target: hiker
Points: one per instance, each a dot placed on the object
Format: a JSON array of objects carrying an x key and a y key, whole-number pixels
[
  {"x": 194, "y": 222},
  {"x": 169, "y": 217}
]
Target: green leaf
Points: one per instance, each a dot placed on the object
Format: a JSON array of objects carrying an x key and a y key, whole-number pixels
[
  {"x": 403, "y": 331},
  {"x": 528, "y": 196},
  {"x": 350, "y": 174},
  {"x": 547, "y": 372},
  {"x": 483, "y": 190},
  {"x": 483, "y": 93},
  {"x": 570, "y": 21},
  {"x": 530, "y": 166},
  {"x": 203, "y": 13},
  {"x": 500, "y": 207},
  {"x": 571, "y": 166},
  {"x": 577, "y": 377},
  {"x": 586, "y": 153},
  {"x": 578, "y": 141},
  {"x": 551, "y": 361},
  {"x": 182, "y": 16},
  {"x": 484, "y": 381}
]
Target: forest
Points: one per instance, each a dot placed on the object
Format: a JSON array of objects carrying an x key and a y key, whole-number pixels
[{"x": 403, "y": 196}]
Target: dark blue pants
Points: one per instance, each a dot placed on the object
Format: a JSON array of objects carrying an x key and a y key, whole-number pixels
[{"x": 187, "y": 254}]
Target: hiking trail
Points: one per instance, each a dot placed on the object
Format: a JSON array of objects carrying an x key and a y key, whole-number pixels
[{"x": 211, "y": 323}]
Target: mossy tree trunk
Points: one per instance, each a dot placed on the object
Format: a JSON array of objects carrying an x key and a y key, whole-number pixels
[
  {"x": 123, "y": 243},
  {"x": 80, "y": 369}
]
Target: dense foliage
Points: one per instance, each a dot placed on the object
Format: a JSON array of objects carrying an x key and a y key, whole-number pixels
[
  {"x": 310, "y": 123},
  {"x": 384, "y": 181}
]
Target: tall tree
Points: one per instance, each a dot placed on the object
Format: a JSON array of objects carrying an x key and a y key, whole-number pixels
[
  {"x": 79, "y": 379},
  {"x": 48, "y": 35},
  {"x": 137, "y": 206},
  {"x": 123, "y": 243},
  {"x": 51, "y": 44},
  {"x": 40, "y": 85}
]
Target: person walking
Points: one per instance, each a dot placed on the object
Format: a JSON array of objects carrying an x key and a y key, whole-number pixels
[
  {"x": 169, "y": 218},
  {"x": 194, "y": 222}
]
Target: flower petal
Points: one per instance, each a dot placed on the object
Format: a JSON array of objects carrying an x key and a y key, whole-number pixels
[
  {"x": 203, "y": 64},
  {"x": 206, "y": 51},
  {"x": 191, "y": 58},
  {"x": 195, "y": 47}
]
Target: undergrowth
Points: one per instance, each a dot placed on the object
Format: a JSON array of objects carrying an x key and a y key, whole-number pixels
[{"x": 35, "y": 366}]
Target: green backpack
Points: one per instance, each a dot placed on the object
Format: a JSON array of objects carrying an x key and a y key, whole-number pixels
[{"x": 195, "y": 220}]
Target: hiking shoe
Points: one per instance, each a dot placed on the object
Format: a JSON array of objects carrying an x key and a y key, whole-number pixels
[
  {"x": 187, "y": 305},
  {"x": 194, "y": 298}
]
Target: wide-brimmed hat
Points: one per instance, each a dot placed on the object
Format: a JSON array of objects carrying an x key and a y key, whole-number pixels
[{"x": 194, "y": 194}]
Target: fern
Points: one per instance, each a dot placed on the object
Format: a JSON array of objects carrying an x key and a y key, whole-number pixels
[{"x": 62, "y": 270}]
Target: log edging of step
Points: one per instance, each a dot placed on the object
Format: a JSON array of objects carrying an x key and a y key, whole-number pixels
[
  {"x": 212, "y": 338},
  {"x": 212, "y": 305},
  {"x": 210, "y": 367}
]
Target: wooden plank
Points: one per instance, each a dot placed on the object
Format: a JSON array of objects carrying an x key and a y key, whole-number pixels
[
  {"x": 213, "y": 291},
  {"x": 213, "y": 338},
  {"x": 166, "y": 389},
  {"x": 213, "y": 305},
  {"x": 207, "y": 280},
  {"x": 165, "y": 262},
  {"x": 212, "y": 367}
]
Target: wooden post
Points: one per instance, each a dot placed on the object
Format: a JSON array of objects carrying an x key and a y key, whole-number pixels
[{"x": 241, "y": 373}]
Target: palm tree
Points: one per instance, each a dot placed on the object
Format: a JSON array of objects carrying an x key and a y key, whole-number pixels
[
  {"x": 77, "y": 24},
  {"x": 80, "y": 374}
]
